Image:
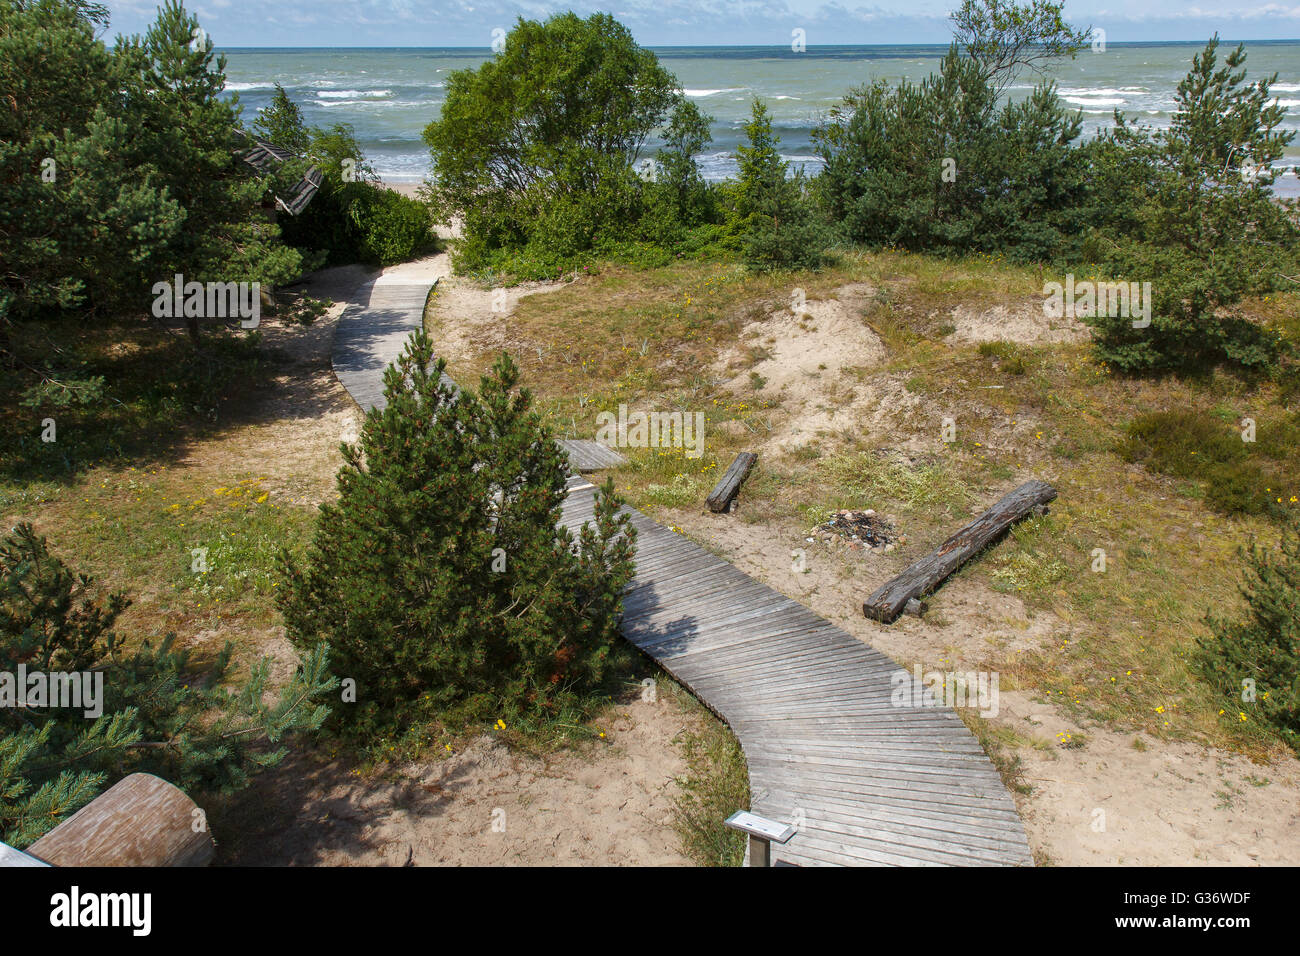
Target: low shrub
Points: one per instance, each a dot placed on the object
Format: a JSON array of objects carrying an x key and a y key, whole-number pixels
[{"x": 1238, "y": 477}]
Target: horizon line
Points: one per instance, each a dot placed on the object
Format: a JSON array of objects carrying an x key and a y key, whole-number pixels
[{"x": 737, "y": 46}]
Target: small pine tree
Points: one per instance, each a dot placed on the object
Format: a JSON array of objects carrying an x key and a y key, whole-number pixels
[
  {"x": 160, "y": 713},
  {"x": 440, "y": 578},
  {"x": 1264, "y": 646},
  {"x": 781, "y": 226},
  {"x": 281, "y": 124}
]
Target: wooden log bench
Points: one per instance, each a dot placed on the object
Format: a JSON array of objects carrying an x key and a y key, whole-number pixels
[
  {"x": 141, "y": 820},
  {"x": 725, "y": 491},
  {"x": 892, "y": 598}
]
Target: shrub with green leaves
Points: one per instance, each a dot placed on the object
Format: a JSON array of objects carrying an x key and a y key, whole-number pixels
[
  {"x": 1254, "y": 662},
  {"x": 537, "y": 150},
  {"x": 441, "y": 579},
  {"x": 352, "y": 217},
  {"x": 163, "y": 712}
]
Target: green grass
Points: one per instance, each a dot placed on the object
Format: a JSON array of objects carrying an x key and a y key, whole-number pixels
[
  {"x": 1210, "y": 448},
  {"x": 715, "y": 785}
]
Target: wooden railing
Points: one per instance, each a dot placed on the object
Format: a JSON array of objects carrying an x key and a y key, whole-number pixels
[{"x": 141, "y": 820}]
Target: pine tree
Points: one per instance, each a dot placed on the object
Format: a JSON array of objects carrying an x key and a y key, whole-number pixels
[
  {"x": 440, "y": 578},
  {"x": 1264, "y": 646},
  {"x": 281, "y": 124},
  {"x": 186, "y": 127},
  {"x": 781, "y": 226},
  {"x": 160, "y": 712}
]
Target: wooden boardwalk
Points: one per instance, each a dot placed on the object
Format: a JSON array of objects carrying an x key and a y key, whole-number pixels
[
  {"x": 868, "y": 783},
  {"x": 372, "y": 332}
]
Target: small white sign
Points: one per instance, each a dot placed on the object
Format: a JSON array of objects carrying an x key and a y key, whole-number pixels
[{"x": 760, "y": 826}]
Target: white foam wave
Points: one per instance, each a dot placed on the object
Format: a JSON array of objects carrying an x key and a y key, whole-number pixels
[
  {"x": 1104, "y": 91},
  {"x": 352, "y": 94}
]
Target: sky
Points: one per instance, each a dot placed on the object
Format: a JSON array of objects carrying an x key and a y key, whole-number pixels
[{"x": 437, "y": 23}]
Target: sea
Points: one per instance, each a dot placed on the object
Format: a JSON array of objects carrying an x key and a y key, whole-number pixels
[{"x": 390, "y": 95}]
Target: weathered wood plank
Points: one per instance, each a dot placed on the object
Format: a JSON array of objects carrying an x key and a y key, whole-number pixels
[
  {"x": 590, "y": 455},
  {"x": 922, "y": 577},
  {"x": 728, "y": 486},
  {"x": 139, "y": 821}
]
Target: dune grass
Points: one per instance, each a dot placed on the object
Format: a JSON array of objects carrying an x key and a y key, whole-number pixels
[{"x": 651, "y": 339}]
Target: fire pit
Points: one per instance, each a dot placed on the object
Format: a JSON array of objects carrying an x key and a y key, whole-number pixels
[{"x": 863, "y": 530}]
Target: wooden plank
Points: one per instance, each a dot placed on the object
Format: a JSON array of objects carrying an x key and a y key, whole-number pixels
[
  {"x": 728, "y": 486},
  {"x": 922, "y": 577},
  {"x": 590, "y": 455},
  {"x": 141, "y": 820}
]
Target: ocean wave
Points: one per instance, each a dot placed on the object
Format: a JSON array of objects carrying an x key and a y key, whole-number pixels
[
  {"x": 1103, "y": 91},
  {"x": 1285, "y": 87},
  {"x": 1102, "y": 101},
  {"x": 245, "y": 87},
  {"x": 376, "y": 104},
  {"x": 351, "y": 94},
  {"x": 1288, "y": 103},
  {"x": 701, "y": 93}
]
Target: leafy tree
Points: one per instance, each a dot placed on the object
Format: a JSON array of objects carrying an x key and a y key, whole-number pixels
[
  {"x": 1004, "y": 38},
  {"x": 440, "y": 578},
  {"x": 161, "y": 713},
  {"x": 1263, "y": 646},
  {"x": 1203, "y": 228},
  {"x": 536, "y": 147}
]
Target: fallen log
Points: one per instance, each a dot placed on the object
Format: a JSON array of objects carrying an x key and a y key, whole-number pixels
[
  {"x": 923, "y": 576},
  {"x": 725, "y": 491},
  {"x": 141, "y": 820}
]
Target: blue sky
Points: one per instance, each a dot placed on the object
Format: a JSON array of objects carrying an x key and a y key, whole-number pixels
[{"x": 688, "y": 22}]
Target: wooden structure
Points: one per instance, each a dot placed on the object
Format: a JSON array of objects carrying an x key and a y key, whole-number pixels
[
  {"x": 141, "y": 820},
  {"x": 590, "y": 455},
  {"x": 864, "y": 779},
  {"x": 891, "y": 598},
  {"x": 728, "y": 486},
  {"x": 265, "y": 158}
]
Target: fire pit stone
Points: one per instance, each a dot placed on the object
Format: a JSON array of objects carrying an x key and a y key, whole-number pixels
[{"x": 862, "y": 530}]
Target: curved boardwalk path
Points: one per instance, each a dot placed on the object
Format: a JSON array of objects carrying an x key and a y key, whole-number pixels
[{"x": 871, "y": 783}]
